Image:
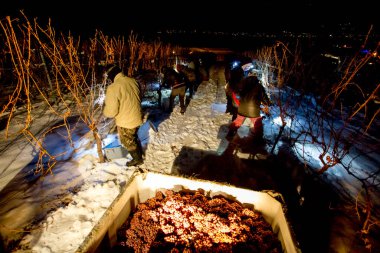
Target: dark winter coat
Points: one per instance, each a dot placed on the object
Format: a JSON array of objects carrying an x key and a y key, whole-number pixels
[
  {"x": 234, "y": 79},
  {"x": 173, "y": 79},
  {"x": 252, "y": 94},
  {"x": 189, "y": 74},
  {"x": 217, "y": 73}
]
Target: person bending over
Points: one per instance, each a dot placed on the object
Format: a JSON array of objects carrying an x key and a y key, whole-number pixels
[
  {"x": 123, "y": 102},
  {"x": 251, "y": 95}
]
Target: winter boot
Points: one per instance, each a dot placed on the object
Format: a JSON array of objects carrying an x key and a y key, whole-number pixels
[
  {"x": 137, "y": 158},
  {"x": 183, "y": 110}
]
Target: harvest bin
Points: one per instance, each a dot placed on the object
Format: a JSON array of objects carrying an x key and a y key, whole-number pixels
[
  {"x": 115, "y": 150},
  {"x": 143, "y": 186}
]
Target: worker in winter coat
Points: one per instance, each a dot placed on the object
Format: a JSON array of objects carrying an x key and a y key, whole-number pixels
[
  {"x": 234, "y": 77},
  {"x": 250, "y": 95},
  {"x": 123, "y": 102},
  {"x": 177, "y": 82},
  {"x": 217, "y": 71},
  {"x": 190, "y": 78}
]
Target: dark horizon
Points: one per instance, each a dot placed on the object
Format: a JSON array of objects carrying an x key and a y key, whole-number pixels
[{"x": 114, "y": 18}]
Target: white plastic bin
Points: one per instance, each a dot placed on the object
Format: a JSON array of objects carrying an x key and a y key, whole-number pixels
[{"x": 143, "y": 186}]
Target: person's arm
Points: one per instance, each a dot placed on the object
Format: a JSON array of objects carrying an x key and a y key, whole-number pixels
[
  {"x": 111, "y": 104},
  {"x": 265, "y": 101},
  {"x": 235, "y": 98}
]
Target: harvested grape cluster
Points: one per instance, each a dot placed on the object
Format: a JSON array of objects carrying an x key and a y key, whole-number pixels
[{"x": 190, "y": 221}]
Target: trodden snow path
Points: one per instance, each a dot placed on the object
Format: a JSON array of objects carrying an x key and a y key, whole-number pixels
[{"x": 200, "y": 130}]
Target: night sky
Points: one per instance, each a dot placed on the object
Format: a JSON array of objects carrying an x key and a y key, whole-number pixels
[{"x": 119, "y": 17}]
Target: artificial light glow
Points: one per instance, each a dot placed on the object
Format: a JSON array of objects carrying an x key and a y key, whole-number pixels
[
  {"x": 235, "y": 64},
  {"x": 247, "y": 67},
  {"x": 156, "y": 86},
  {"x": 310, "y": 153},
  {"x": 278, "y": 121}
]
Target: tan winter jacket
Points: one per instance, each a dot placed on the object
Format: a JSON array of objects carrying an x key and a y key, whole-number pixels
[{"x": 123, "y": 102}]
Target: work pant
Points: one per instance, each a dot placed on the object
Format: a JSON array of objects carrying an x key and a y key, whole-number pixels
[
  {"x": 181, "y": 92},
  {"x": 257, "y": 125},
  {"x": 129, "y": 138},
  {"x": 190, "y": 86}
]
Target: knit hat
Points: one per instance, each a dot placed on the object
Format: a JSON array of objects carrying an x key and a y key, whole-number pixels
[{"x": 111, "y": 71}]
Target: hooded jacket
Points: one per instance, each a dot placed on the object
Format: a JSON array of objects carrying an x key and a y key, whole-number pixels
[
  {"x": 123, "y": 102},
  {"x": 251, "y": 96}
]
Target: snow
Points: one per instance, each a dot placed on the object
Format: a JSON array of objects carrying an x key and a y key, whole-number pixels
[{"x": 56, "y": 212}]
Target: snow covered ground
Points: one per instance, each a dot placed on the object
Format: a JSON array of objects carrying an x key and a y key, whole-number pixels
[{"x": 56, "y": 212}]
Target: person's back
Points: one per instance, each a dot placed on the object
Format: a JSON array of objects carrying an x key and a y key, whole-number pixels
[
  {"x": 251, "y": 96},
  {"x": 172, "y": 78},
  {"x": 190, "y": 78},
  {"x": 176, "y": 81},
  {"x": 192, "y": 65},
  {"x": 217, "y": 73},
  {"x": 190, "y": 74},
  {"x": 123, "y": 102}
]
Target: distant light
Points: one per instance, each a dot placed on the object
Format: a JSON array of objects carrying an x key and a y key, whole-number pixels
[
  {"x": 364, "y": 51},
  {"x": 235, "y": 64}
]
